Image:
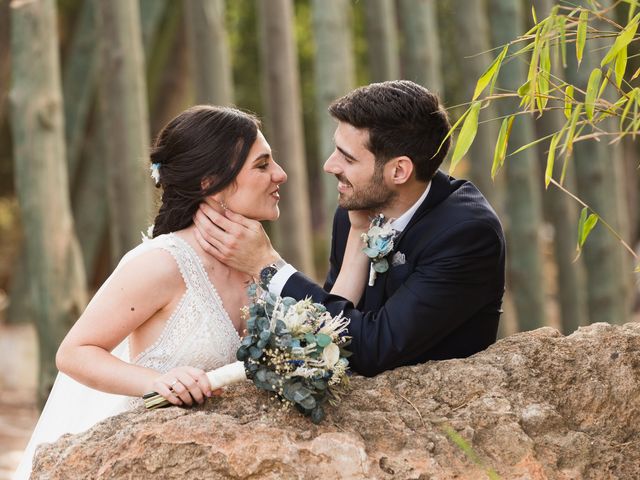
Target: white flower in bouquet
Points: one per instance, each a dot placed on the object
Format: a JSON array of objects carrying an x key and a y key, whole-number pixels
[{"x": 331, "y": 355}]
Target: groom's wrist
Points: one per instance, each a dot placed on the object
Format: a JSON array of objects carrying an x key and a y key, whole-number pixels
[{"x": 269, "y": 270}]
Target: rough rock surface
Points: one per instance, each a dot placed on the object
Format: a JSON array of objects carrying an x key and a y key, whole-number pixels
[{"x": 536, "y": 405}]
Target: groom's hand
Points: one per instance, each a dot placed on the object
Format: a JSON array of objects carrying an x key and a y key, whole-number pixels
[{"x": 234, "y": 240}]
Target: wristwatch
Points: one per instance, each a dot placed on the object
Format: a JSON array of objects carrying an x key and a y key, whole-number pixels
[{"x": 268, "y": 272}]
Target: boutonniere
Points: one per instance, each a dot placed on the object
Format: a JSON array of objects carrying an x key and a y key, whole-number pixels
[{"x": 378, "y": 243}]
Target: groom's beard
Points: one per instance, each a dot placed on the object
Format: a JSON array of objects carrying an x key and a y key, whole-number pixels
[{"x": 375, "y": 195}]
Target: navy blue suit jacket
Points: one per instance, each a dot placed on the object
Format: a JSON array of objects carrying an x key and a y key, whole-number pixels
[{"x": 444, "y": 302}]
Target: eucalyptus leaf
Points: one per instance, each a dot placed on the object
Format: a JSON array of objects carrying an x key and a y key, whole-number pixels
[
  {"x": 323, "y": 340},
  {"x": 308, "y": 403},
  {"x": 265, "y": 335},
  {"x": 242, "y": 353},
  {"x": 255, "y": 352},
  {"x": 370, "y": 252},
  {"x": 301, "y": 393},
  {"x": 289, "y": 302},
  {"x": 281, "y": 328},
  {"x": 251, "y": 324},
  {"x": 381, "y": 265},
  {"x": 317, "y": 414}
]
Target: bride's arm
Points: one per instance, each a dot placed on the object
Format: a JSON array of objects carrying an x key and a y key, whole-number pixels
[
  {"x": 352, "y": 278},
  {"x": 145, "y": 287}
]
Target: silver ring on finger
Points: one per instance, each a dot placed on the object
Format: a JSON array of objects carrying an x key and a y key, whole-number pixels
[{"x": 172, "y": 386}]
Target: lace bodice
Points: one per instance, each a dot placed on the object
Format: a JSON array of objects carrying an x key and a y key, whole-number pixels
[{"x": 199, "y": 332}]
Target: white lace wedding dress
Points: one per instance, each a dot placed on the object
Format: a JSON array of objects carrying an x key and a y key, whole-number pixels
[{"x": 198, "y": 333}]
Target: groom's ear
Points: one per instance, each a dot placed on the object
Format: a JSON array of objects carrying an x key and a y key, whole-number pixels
[{"x": 400, "y": 169}]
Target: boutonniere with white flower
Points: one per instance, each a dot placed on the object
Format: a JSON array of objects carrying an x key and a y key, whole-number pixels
[{"x": 378, "y": 243}]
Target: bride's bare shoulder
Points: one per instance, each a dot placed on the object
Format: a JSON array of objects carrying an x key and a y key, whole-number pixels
[{"x": 155, "y": 266}]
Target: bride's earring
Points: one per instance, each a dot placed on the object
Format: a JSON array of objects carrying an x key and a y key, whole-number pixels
[{"x": 223, "y": 205}]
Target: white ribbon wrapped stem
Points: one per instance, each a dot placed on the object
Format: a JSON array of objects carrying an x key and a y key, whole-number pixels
[{"x": 227, "y": 375}]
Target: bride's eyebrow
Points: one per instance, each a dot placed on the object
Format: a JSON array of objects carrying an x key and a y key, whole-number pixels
[{"x": 263, "y": 156}]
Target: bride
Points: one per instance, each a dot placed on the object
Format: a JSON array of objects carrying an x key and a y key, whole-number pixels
[{"x": 170, "y": 307}]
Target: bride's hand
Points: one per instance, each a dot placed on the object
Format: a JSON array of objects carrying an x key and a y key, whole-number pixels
[
  {"x": 360, "y": 219},
  {"x": 183, "y": 385}
]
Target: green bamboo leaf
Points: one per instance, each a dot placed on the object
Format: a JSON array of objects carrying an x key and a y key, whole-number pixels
[
  {"x": 524, "y": 89},
  {"x": 453, "y": 129},
  {"x": 567, "y": 155},
  {"x": 543, "y": 78},
  {"x": 613, "y": 109},
  {"x": 581, "y": 35},
  {"x": 636, "y": 122},
  {"x": 621, "y": 65},
  {"x": 568, "y": 141},
  {"x": 530, "y": 144},
  {"x": 501, "y": 145},
  {"x": 632, "y": 9},
  {"x": 630, "y": 97},
  {"x": 533, "y": 14},
  {"x": 532, "y": 75},
  {"x": 585, "y": 225},
  {"x": 605, "y": 82},
  {"x": 592, "y": 92},
  {"x": 466, "y": 136},
  {"x": 489, "y": 74},
  {"x": 551, "y": 159},
  {"x": 562, "y": 25},
  {"x": 568, "y": 101},
  {"x": 581, "y": 220},
  {"x": 635, "y": 75},
  {"x": 622, "y": 40}
]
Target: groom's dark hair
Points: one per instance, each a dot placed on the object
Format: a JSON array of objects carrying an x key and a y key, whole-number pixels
[
  {"x": 402, "y": 118},
  {"x": 197, "y": 154}
]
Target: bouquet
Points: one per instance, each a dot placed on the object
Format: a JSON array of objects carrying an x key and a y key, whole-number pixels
[{"x": 293, "y": 349}]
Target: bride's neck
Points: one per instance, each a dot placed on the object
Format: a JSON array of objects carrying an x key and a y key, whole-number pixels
[{"x": 209, "y": 261}]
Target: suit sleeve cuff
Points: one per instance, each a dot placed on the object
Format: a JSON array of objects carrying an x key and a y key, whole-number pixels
[{"x": 279, "y": 280}]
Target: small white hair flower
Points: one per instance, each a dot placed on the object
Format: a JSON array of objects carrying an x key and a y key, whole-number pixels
[{"x": 155, "y": 172}]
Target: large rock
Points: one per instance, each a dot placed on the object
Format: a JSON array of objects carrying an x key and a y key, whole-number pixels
[{"x": 535, "y": 405}]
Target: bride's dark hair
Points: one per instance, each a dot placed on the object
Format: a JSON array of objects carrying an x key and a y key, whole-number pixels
[{"x": 203, "y": 144}]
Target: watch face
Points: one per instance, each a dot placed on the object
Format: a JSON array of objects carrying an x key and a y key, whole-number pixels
[{"x": 266, "y": 274}]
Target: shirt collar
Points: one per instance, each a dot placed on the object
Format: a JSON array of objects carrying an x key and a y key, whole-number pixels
[{"x": 400, "y": 223}]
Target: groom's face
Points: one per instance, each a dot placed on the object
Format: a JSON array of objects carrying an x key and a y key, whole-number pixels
[{"x": 361, "y": 183}]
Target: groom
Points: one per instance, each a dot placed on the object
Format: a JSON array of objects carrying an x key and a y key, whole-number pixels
[{"x": 441, "y": 296}]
